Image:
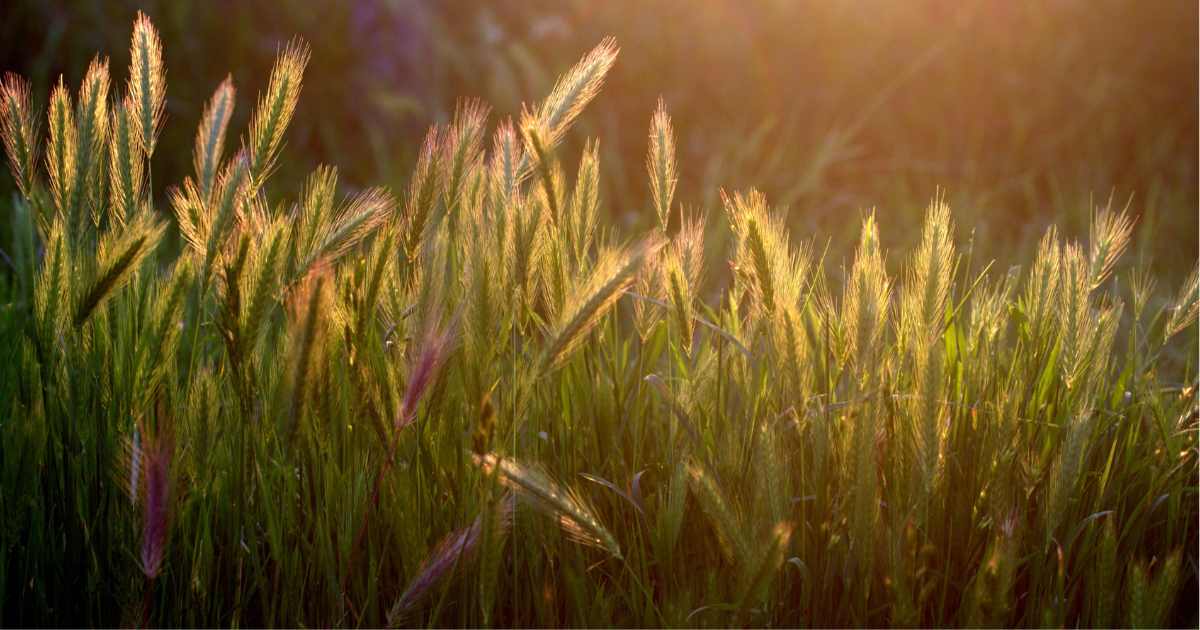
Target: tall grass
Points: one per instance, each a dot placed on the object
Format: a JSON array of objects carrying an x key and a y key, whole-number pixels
[{"x": 480, "y": 406}]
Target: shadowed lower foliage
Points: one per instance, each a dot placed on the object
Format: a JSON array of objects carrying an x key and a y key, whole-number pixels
[{"x": 276, "y": 423}]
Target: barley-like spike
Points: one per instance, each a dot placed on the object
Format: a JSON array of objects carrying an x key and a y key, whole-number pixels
[
  {"x": 210, "y": 136},
  {"x": 1066, "y": 470},
  {"x": 274, "y": 111},
  {"x": 307, "y": 323},
  {"x": 551, "y": 185},
  {"x": 792, "y": 350},
  {"x": 313, "y": 215},
  {"x": 757, "y": 576},
  {"x": 1043, "y": 287},
  {"x": 156, "y": 460},
  {"x": 377, "y": 265},
  {"x": 229, "y": 317},
  {"x": 262, "y": 293},
  {"x": 422, "y": 194},
  {"x": 648, "y": 284},
  {"x": 865, "y": 315},
  {"x": 60, "y": 153},
  {"x": 457, "y": 548},
  {"x": 119, "y": 258},
  {"x": 1077, "y": 316},
  {"x": 358, "y": 219},
  {"x": 660, "y": 162},
  {"x": 524, "y": 249},
  {"x": 1164, "y": 589},
  {"x": 592, "y": 300},
  {"x": 680, "y": 294},
  {"x": 573, "y": 91},
  {"x": 762, "y": 266},
  {"x": 486, "y": 307},
  {"x": 495, "y": 531},
  {"x": 1110, "y": 232},
  {"x": 166, "y": 318},
  {"x": 988, "y": 308},
  {"x": 764, "y": 263},
  {"x": 689, "y": 242},
  {"x": 126, "y": 166},
  {"x": 928, "y": 372},
  {"x": 54, "y": 282},
  {"x": 434, "y": 349},
  {"x": 1185, "y": 307},
  {"x": 931, "y": 272},
  {"x": 190, "y": 214},
  {"x": 91, "y": 135},
  {"x": 231, "y": 192},
  {"x": 19, "y": 130},
  {"x": 566, "y": 506},
  {"x": 147, "y": 82},
  {"x": 462, "y": 146},
  {"x": 585, "y": 202},
  {"x": 867, "y": 297},
  {"x": 506, "y": 159},
  {"x": 1137, "y": 596},
  {"x": 922, "y": 314},
  {"x": 720, "y": 513},
  {"x": 554, "y": 271}
]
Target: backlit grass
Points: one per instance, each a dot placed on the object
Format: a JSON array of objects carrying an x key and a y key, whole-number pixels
[{"x": 473, "y": 402}]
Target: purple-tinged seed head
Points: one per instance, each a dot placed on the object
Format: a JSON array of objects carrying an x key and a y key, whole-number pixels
[
  {"x": 457, "y": 547},
  {"x": 434, "y": 349},
  {"x": 156, "y": 458}
]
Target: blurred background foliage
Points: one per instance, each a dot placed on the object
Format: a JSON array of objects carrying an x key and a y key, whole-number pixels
[{"x": 1022, "y": 112}]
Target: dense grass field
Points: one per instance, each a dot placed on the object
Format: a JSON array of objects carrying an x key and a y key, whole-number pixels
[{"x": 475, "y": 399}]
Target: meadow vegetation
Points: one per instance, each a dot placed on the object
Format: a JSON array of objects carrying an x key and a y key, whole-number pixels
[{"x": 474, "y": 402}]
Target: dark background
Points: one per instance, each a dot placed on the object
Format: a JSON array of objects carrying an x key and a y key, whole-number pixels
[{"x": 1022, "y": 112}]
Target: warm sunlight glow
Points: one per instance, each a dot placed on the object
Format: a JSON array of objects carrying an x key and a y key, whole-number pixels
[{"x": 611, "y": 314}]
